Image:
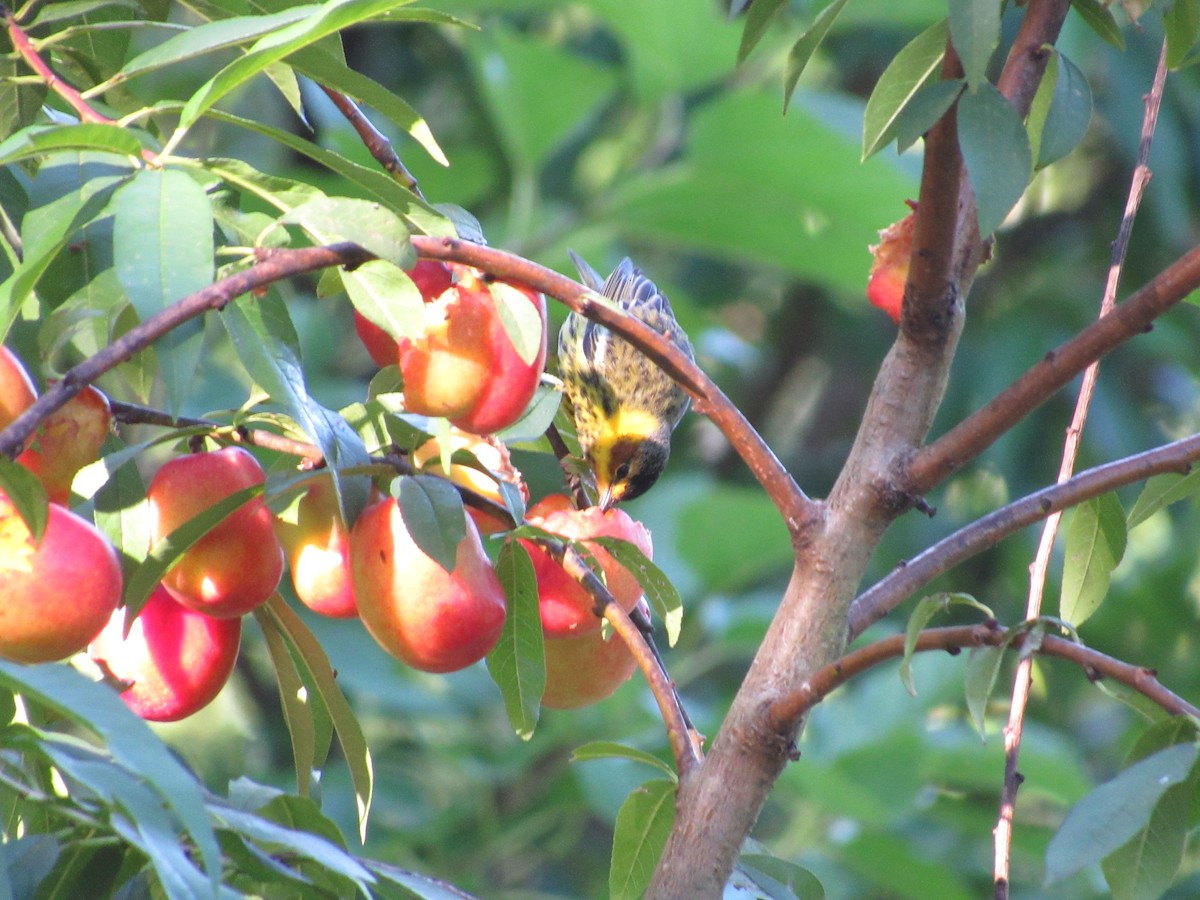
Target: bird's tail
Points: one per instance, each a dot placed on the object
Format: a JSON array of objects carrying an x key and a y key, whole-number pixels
[{"x": 587, "y": 274}]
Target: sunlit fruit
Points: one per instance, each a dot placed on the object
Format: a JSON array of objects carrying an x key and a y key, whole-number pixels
[
  {"x": 16, "y": 388},
  {"x": 237, "y": 565},
  {"x": 585, "y": 669},
  {"x": 513, "y": 383},
  {"x": 434, "y": 620},
  {"x": 889, "y": 268},
  {"x": 174, "y": 661},
  {"x": 489, "y": 453},
  {"x": 318, "y": 548},
  {"x": 464, "y": 366},
  {"x": 67, "y": 440},
  {"x": 566, "y": 608},
  {"x": 54, "y": 596},
  {"x": 432, "y": 279}
]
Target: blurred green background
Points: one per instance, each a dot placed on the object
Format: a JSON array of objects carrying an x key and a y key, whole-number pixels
[{"x": 616, "y": 127}]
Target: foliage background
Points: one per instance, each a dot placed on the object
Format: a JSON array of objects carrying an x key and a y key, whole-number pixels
[{"x": 614, "y": 127}]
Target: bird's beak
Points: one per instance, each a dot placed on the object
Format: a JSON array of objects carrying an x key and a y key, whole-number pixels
[{"x": 606, "y": 498}]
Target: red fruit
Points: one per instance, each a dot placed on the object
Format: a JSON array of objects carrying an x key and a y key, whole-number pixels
[
  {"x": 175, "y": 660},
  {"x": 318, "y": 551},
  {"x": 447, "y": 368},
  {"x": 585, "y": 669},
  {"x": 67, "y": 440},
  {"x": 54, "y": 596},
  {"x": 432, "y": 279},
  {"x": 566, "y": 608},
  {"x": 513, "y": 381},
  {"x": 16, "y": 388},
  {"x": 491, "y": 454},
  {"x": 889, "y": 270},
  {"x": 434, "y": 620},
  {"x": 236, "y": 566}
]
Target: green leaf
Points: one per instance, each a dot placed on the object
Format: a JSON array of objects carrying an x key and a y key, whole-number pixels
[
  {"x": 522, "y": 321},
  {"x": 1095, "y": 544},
  {"x": 308, "y": 651},
  {"x": 371, "y": 225},
  {"x": 975, "y": 32},
  {"x": 517, "y": 663},
  {"x": 532, "y": 424},
  {"x": 296, "y": 701},
  {"x": 780, "y": 879},
  {"x": 170, "y": 549},
  {"x": 29, "y": 143},
  {"x": 209, "y": 37},
  {"x": 613, "y": 750},
  {"x": 1144, "y": 867},
  {"x": 163, "y": 251},
  {"x": 27, "y": 496},
  {"x": 1068, "y": 112},
  {"x": 912, "y": 68},
  {"x": 660, "y": 593},
  {"x": 132, "y": 743},
  {"x": 757, "y": 22},
  {"x": 926, "y": 609},
  {"x": 1100, "y": 19},
  {"x": 996, "y": 151},
  {"x": 1113, "y": 813},
  {"x": 328, "y": 19},
  {"x": 1181, "y": 22},
  {"x": 386, "y": 296},
  {"x": 639, "y": 835},
  {"x": 433, "y": 514},
  {"x": 804, "y": 48},
  {"x": 1160, "y": 492},
  {"x": 983, "y": 667}
]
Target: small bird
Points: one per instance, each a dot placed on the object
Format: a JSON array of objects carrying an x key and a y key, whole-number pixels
[{"x": 624, "y": 406}]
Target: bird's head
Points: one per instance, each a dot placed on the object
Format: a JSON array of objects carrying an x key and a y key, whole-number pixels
[{"x": 628, "y": 467}]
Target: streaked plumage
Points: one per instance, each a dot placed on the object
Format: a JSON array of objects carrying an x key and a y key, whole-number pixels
[{"x": 624, "y": 406}]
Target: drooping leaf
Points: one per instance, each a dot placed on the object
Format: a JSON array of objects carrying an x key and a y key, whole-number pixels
[
  {"x": 975, "y": 31},
  {"x": 926, "y": 609},
  {"x": 757, "y": 22},
  {"x": 983, "y": 667},
  {"x": 779, "y": 879},
  {"x": 804, "y": 48},
  {"x": 1114, "y": 812},
  {"x": 1181, "y": 22},
  {"x": 521, "y": 320},
  {"x": 1100, "y": 19},
  {"x": 1160, "y": 492},
  {"x": 613, "y": 750},
  {"x": 996, "y": 151},
  {"x": 434, "y": 515},
  {"x": 387, "y": 297},
  {"x": 29, "y": 143},
  {"x": 928, "y": 105},
  {"x": 1095, "y": 544},
  {"x": 1068, "y": 112},
  {"x": 28, "y": 497},
  {"x": 912, "y": 68},
  {"x": 664, "y": 599},
  {"x": 643, "y": 824},
  {"x": 295, "y": 700},
  {"x": 517, "y": 663}
]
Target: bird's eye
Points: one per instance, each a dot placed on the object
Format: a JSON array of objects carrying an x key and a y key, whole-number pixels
[{"x": 622, "y": 472}]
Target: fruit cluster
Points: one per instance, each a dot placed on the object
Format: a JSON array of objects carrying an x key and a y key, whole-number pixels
[{"x": 62, "y": 594}]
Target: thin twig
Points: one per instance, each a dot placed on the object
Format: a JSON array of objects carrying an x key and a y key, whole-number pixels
[
  {"x": 792, "y": 708},
  {"x": 708, "y": 399},
  {"x": 890, "y": 591},
  {"x": 374, "y": 140},
  {"x": 1023, "y": 678}
]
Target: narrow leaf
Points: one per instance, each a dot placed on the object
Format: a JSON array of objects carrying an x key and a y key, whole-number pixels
[
  {"x": 521, "y": 320},
  {"x": 387, "y": 297},
  {"x": 295, "y": 701},
  {"x": 371, "y": 225},
  {"x": 996, "y": 151},
  {"x": 804, "y": 48},
  {"x": 1181, "y": 22},
  {"x": 517, "y": 663},
  {"x": 781, "y": 878},
  {"x": 1100, "y": 19},
  {"x": 929, "y": 104},
  {"x": 23, "y": 490},
  {"x": 1069, "y": 112},
  {"x": 757, "y": 21},
  {"x": 613, "y": 750},
  {"x": 983, "y": 667},
  {"x": 1160, "y": 492},
  {"x": 643, "y": 824},
  {"x": 912, "y": 68},
  {"x": 1114, "y": 812},
  {"x": 663, "y": 597},
  {"x": 32, "y": 142},
  {"x": 926, "y": 609},
  {"x": 1095, "y": 544}
]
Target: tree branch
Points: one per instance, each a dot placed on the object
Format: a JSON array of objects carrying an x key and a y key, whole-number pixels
[
  {"x": 1097, "y": 665},
  {"x": 797, "y": 510},
  {"x": 273, "y": 265},
  {"x": 873, "y": 604},
  {"x": 374, "y": 140}
]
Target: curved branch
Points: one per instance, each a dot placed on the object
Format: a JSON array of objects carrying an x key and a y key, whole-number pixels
[
  {"x": 708, "y": 399},
  {"x": 874, "y": 603},
  {"x": 685, "y": 743},
  {"x": 273, "y": 265},
  {"x": 791, "y": 708}
]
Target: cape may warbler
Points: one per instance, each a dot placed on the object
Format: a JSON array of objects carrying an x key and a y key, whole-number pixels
[{"x": 624, "y": 406}]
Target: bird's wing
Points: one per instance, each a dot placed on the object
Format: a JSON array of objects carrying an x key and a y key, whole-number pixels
[{"x": 587, "y": 274}]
